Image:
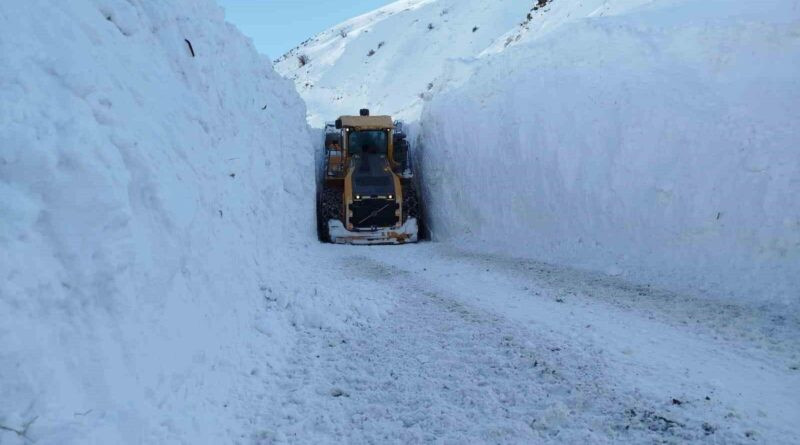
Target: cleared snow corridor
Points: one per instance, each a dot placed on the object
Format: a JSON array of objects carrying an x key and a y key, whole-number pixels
[
  {"x": 161, "y": 281},
  {"x": 486, "y": 349}
]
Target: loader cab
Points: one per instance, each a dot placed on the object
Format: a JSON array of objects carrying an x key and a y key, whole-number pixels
[
  {"x": 365, "y": 135},
  {"x": 365, "y": 142}
]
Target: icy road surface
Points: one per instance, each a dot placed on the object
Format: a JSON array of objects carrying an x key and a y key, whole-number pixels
[{"x": 490, "y": 350}]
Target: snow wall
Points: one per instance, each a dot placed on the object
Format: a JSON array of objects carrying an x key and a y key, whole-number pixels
[
  {"x": 662, "y": 145},
  {"x": 156, "y": 219}
]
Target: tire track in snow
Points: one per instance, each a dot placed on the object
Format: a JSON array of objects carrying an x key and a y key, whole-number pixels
[
  {"x": 436, "y": 370},
  {"x": 714, "y": 367}
]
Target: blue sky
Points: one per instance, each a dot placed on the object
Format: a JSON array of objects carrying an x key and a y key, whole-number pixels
[{"x": 276, "y": 26}]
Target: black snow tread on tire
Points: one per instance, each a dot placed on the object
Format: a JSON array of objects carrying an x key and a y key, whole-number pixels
[
  {"x": 331, "y": 204},
  {"x": 410, "y": 201},
  {"x": 329, "y": 207}
]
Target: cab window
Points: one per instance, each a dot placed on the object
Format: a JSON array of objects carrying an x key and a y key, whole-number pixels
[{"x": 368, "y": 141}]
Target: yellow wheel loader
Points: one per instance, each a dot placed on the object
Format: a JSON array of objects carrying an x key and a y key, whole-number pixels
[{"x": 366, "y": 190}]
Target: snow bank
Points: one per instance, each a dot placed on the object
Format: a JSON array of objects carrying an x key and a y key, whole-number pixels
[
  {"x": 661, "y": 144},
  {"x": 156, "y": 218}
]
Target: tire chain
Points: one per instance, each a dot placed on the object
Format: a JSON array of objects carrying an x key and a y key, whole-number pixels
[
  {"x": 410, "y": 201},
  {"x": 331, "y": 205}
]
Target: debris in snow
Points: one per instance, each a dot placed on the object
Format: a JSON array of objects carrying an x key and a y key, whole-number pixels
[
  {"x": 337, "y": 392},
  {"x": 303, "y": 60},
  {"x": 652, "y": 421},
  {"x": 23, "y": 431},
  {"x": 191, "y": 48},
  {"x": 541, "y": 4}
]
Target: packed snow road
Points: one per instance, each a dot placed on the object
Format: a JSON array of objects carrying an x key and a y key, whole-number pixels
[{"x": 496, "y": 350}]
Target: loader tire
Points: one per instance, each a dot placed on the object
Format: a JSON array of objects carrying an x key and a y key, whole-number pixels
[
  {"x": 329, "y": 207},
  {"x": 410, "y": 201}
]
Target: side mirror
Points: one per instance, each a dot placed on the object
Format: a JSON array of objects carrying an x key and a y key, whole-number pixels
[{"x": 338, "y": 124}]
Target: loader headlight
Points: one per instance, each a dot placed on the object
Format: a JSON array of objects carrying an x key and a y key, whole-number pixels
[
  {"x": 358, "y": 196},
  {"x": 391, "y": 196}
]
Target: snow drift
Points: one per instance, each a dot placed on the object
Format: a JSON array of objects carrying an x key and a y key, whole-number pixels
[
  {"x": 660, "y": 143},
  {"x": 154, "y": 222}
]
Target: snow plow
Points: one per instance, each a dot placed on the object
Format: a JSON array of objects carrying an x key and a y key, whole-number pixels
[{"x": 366, "y": 192}]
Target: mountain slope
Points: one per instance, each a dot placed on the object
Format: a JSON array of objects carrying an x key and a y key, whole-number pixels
[{"x": 394, "y": 58}]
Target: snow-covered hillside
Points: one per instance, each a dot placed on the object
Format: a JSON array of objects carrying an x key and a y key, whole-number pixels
[
  {"x": 390, "y": 59},
  {"x": 154, "y": 215},
  {"x": 651, "y": 139},
  {"x": 397, "y": 57}
]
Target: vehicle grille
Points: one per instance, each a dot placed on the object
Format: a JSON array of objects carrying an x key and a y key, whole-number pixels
[{"x": 383, "y": 209}]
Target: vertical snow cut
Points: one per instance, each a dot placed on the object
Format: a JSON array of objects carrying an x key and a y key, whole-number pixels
[
  {"x": 660, "y": 144},
  {"x": 156, "y": 195}
]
